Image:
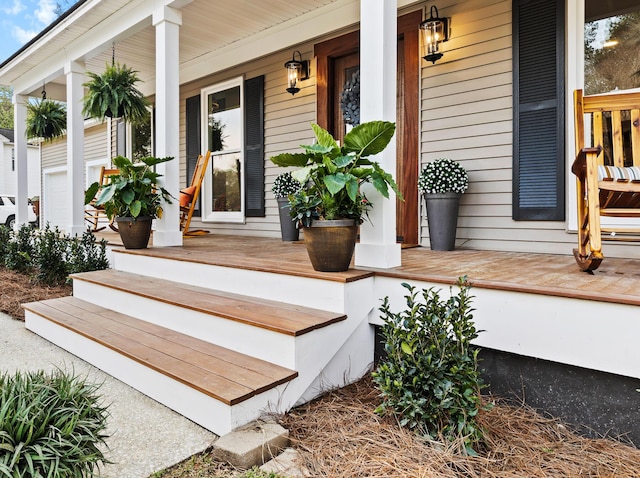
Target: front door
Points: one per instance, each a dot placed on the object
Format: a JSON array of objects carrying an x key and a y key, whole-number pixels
[{"x": 337, "y": 62}]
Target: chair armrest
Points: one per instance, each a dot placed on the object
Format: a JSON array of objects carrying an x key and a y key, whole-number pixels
[{"x": 579, "y": 167}]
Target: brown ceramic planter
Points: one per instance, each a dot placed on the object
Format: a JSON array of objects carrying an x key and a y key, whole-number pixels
[
  {"x": 330, "y": 244},
  {"x": 134, "y": 234}
]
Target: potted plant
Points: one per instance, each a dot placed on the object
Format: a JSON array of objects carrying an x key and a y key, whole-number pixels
[
  {"x": 284, "y": 186},
  {"x": 133, "y": 197},
  {"x": 46, "y": 119},
  {"x": 331, "y": 204},
  {"x": 113, "y": 94},
  {"x": 442, "y": 182}
]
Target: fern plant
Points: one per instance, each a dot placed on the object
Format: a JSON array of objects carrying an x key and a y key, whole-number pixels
[
  {"x": 114, "y": 94},
  {"x": 46, "y": 119}
]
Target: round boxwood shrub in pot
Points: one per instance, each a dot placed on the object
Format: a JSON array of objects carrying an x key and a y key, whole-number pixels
[
  {"x": 284, "y": 186},
  {"x": 442, "y": 183}
]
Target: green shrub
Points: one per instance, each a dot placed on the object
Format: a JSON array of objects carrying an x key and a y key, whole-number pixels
[
  {"x": 429, "y": 379},
  {"x": 87, "y": 254},
  {"x": 19, "y": 250},
  {"x": 51, "y": 425},
  {"x": 50, "y": 261},
  {"x": 50, "y": 255}
]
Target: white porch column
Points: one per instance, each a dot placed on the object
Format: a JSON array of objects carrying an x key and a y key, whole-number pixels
[
  {"x": 20, "y": 145},
  {"x": 378, "y": 66},
  {"x": 74, "y": 72},
  {"x": 167, "y": 21}
]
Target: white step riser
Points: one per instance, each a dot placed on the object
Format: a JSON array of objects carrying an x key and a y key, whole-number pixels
[
  {"x": 590, "y": 334},
  {"x": 202, "y": 409},
  {"x": 303, "y": 291},
  {"x": 257, "y": 342}
]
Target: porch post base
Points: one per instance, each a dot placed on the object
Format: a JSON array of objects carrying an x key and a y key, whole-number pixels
[
  {"x": 167, "y": 238},
  {"x": 383, "y": 256},
  {"x": 74, "y": 231}
]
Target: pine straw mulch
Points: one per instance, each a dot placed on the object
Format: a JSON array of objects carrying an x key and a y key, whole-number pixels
[
  {"x": 338, "y": 436},
  {"x": 16, "y": 289}
]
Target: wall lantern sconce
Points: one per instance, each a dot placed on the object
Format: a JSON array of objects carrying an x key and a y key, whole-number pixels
[
  {"x": 434, "y": 31},
  {"x": 297, "y": 70}
]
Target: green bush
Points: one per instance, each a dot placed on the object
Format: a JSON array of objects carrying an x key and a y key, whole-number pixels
[
  {"x": 51, "y": 425},
  {"x": 49, "y": 254},
  {"x": 429, "y": 379},
  {"x": 19, "y": 250}
]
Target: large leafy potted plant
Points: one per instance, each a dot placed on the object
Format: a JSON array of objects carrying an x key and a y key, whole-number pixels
[
  {"x": 331, "y": 204},
  {"x": 286, "y": 185},
  {"x": 46, "y": 119},
  {"x": 114, "y": 94},
  {"x": 442, "y": 183},
  {"x": 133, "y": 197}
]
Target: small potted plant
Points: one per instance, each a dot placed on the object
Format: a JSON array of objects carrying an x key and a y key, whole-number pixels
[
  {"x": 284, "y": 186},
  {"x": 331, "y": 204},
  {"x": 133, "y": 197},
  {"x": 46, "y": 119},
  {"x": 113, "y": 94},
  {"x": 442, "y": 183}
]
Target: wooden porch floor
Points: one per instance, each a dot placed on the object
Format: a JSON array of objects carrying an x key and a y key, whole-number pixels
[{"x": 617, "y": 280}]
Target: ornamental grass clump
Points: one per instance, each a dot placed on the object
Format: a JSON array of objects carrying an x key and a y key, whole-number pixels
[
  {"x": 443, "y": 175},
  {"x": 51, "y": 425},
  {"x": 285, "y": 185},
  {"x": 429, "y": 379}
]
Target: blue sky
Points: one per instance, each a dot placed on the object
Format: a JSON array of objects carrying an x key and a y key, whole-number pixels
[{"x": 21, "y": 20}]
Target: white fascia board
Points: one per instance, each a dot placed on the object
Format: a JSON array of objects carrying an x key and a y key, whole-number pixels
[{"x": 122, "y": 24}]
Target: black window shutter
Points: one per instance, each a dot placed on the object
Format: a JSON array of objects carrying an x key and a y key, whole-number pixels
[
  {"x": 192, "y": 138},
  {"x": 254, "y": 146},
  {"x": 539, "y": 104}
]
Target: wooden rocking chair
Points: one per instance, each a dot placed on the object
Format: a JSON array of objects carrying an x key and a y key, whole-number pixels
[
  {"x": 189, "y": 197},
  {"x": 94, "y": 214},
  {"x": 607, "y": 168}
]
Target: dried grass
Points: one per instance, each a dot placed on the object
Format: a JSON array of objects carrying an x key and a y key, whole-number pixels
[
  {"x": 339, "y": 436},
  {"x": 16, "y": 289}
]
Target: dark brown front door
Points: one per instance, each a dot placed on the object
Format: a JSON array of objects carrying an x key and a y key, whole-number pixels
[{"x": 337, "y": 60}]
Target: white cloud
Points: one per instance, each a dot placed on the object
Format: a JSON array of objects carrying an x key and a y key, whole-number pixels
[
  {"x": 17, "y": 7},
  {"x": 22, "y": 35},
  {"x": 45, "y": 13}
]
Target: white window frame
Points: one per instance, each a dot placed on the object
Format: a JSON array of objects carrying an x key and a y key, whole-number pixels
[{"x": 208, "y": 215}]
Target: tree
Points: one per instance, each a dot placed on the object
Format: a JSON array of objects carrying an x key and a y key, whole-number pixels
[
  {"x": 616, "y": 67},
  {"x": 6, "y": 107}
]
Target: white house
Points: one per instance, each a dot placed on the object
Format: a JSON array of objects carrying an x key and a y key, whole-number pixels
[
  {"x": 498, "y": 102},
  {"x": 8, "y": 166}
]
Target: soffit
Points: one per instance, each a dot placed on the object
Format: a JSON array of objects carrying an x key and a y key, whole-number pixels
[{"x": 207, "y": 26}]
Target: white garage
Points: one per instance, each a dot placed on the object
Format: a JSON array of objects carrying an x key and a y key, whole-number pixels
[{"x": 56, "y": 198}]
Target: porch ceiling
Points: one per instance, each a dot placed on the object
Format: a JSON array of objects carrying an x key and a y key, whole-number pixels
[{"x": 207, "y": 27}]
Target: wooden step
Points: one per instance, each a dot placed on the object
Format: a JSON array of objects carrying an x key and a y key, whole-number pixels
[
  {"x": 220, "y": 373},
  {"x": 279, "y": 317}
]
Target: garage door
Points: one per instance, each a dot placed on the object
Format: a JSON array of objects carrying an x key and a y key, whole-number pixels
[{"x": 55, "y": 199}]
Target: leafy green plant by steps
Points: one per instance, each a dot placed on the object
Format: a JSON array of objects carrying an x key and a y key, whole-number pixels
[
  {"x": 51, "y": 425},
  {"x": 332, "y": 175},
  {"x": 429, "y": 379},
  {"x": 134, "y": 192}
]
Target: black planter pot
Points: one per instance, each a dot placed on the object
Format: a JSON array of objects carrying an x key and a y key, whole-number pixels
[
  {"x": 134, "y": 233},
  {"x": 330, "y": 244},
  {"x": 119, "y": 113},
  {"x": 442, "y": 216},
  {"x": 288, "y": 228}
]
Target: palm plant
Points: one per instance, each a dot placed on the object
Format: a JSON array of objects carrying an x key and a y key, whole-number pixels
[{"x": 113, "y": 94}]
